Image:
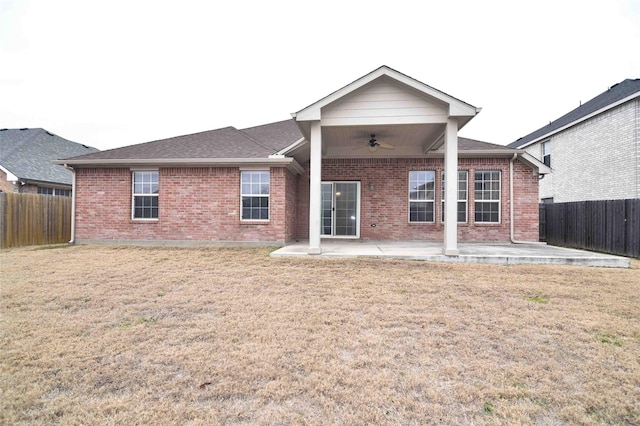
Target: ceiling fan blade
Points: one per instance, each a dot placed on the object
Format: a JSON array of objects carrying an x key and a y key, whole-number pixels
[
  {"x": 360, "y": 147},
  {"x": 385, "y": 145}
]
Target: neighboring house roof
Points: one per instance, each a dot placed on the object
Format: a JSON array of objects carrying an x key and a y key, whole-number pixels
[
  {"x": 617, "y": 94},
  {"x": 27, "y": 154}
]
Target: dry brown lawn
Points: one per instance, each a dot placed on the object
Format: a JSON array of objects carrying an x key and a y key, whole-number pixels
[{"x": 121, "y": 335}]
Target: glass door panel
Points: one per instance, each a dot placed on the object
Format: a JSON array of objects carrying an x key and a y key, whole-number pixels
[
  {"x": 326, "y": 204},
  {"x": 339, "y": 205},
  {"x": 345, "y": 209}
]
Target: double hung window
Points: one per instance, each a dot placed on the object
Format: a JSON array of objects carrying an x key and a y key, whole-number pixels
[
  {"x": 487, "y": 196},
  {"x": 546, "y": 153},
  {"x": 254, "y": 189},
  {"x": 145, "y": 195},
  {"x": 422, "y": 189}
]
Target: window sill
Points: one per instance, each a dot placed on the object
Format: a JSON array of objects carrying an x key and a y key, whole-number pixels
[
  {"x": 255, "y": 222},
  {"x": 149, "y": 221}
]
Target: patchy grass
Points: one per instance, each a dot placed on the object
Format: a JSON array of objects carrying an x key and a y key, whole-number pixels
[
  {"x": 537, "y": 299},
  {"x": 126, "y": 335}
]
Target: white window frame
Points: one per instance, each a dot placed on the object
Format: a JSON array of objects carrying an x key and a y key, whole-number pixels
[
  {"x": 135, "y": 194},
  {"x": 56, "y": 192},
  {"x": 459, "y": 200},
  {"x": 432, "y": 201},
  {"x": 498, "y": 201},
  {"x": 252, "y": 195},
  {"x": 546, "y": 151}
]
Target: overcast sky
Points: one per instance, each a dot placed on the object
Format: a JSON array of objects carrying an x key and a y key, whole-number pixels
[{"x": 109, "y": 73}]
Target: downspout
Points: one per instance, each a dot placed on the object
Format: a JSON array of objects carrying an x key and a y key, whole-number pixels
[
  {"x": 73, "y": 206},
  {"x": 511, "y": 212}
]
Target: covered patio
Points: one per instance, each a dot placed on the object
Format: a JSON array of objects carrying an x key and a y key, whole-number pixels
[
  {"x": 383, "y": 161},
  {"x": 492, "y": 253}
]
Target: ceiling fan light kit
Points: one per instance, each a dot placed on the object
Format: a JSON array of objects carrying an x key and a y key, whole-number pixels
[{"x": 373, "y": 145}]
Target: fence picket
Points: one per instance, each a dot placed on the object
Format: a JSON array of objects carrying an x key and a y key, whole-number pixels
[
  {"x": 32, "y": 219},
  {"x": 611, "y": 226}
]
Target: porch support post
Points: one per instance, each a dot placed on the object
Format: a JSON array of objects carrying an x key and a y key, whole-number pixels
[
  {"x": 451, "y": 189},
  {"x": 315, "y": 182}
]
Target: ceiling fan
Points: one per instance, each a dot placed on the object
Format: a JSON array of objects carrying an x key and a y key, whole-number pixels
[{"x": 374, "y": 144}]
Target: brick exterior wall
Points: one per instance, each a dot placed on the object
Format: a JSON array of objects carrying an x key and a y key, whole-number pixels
[
  {"x": 387, "y": 205},
  {"x": 5, "y": 185},
  {"x": 195, "y": 204},
  {"x": 202, "y": 204},
  {"x": 598, "y": 159}
]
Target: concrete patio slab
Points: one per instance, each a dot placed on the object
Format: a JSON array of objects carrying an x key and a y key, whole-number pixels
[{"x": 493, "y": 253}]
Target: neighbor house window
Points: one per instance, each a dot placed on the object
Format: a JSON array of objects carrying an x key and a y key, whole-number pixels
[
  {"x": 54, "y": 191},
  {"x": 145, "y": 195},
  {"x": 462, "y": 195},
  {"x": 422, "y": 191},
  {"x": 546, "y": 153},
  {"x": 487, "y": 196},
  {"x": 254, "y": 188}
]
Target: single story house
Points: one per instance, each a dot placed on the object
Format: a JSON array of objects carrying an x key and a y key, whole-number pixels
[
  {"x": 26, "y": 161},
  {"x": 378, "y": 159}
]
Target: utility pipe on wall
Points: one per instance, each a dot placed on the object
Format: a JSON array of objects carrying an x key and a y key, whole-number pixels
[{"x": 73, "y": 206}]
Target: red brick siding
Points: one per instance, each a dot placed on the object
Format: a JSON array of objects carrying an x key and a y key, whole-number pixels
[
  {"x": 291, "y": 196},
  {"x": 199, "y": 204},
  {"x": 5, "y": 185},
  {"x": 203, "y": 204},
  {"x": 387, "y": 205}
]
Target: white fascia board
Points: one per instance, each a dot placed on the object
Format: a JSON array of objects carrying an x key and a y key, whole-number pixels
[
  {"x": 297, "y": 144},
  {"x": 580, "y": 120},
  {"x": 456, "y": 106},
  {"x": 10, "y": 176},
  {"x": 288, "y": 162},
  {"x": 533, "y": 162}
]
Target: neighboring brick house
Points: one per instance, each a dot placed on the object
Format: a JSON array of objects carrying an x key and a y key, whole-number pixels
[
  {"x": 594, "y": 150},
  {"x": 326, "y": 173},
  {"x": 26, "y": 161}
]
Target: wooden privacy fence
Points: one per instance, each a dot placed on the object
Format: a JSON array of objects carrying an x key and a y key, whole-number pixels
[
  {"x": 610, "y": 226},
  {"x": 32, "y": 219}
]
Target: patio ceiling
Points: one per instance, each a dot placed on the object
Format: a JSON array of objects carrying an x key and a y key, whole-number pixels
[{"x": 407, "y": 139}]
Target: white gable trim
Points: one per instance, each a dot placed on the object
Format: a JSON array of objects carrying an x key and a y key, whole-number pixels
[
  {"x": 580, "y": 120},
  {"x": 457, "y": 108}
]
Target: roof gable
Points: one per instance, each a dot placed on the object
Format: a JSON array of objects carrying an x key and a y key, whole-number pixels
[
  {"x": 28, "y": 154},
  {"x": 615, "y": 95},
  {"x": 457, "y": 108}
]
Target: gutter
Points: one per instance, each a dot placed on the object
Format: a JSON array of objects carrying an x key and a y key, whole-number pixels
[
  {"x": 73, "y": 205},
  {"x": 289, "y": 162}
]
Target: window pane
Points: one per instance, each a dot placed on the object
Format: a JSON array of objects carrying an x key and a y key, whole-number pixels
[
  {"x": 421, "y": 185},
  {"x": 145, "y": 207},
  {"x": 145, "y": 182},
  {"x": 421, "y": 212}
]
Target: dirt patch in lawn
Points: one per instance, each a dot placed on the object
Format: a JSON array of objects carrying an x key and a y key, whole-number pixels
[{"x": 122, "y": 335}]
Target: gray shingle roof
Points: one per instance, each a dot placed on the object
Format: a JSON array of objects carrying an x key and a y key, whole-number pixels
[
  {"x": 277, "y": 135},
  {"x": 28, "y": 154},
  {"x": 615, "y": 93},
  {"x": 230, "y": 143},
  {"x": 227, "y": 142}
]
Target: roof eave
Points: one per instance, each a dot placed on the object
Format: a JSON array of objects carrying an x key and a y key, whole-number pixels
[
  {"x": 578, "y": 121},
  {"x": 288, "y": 162}
]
